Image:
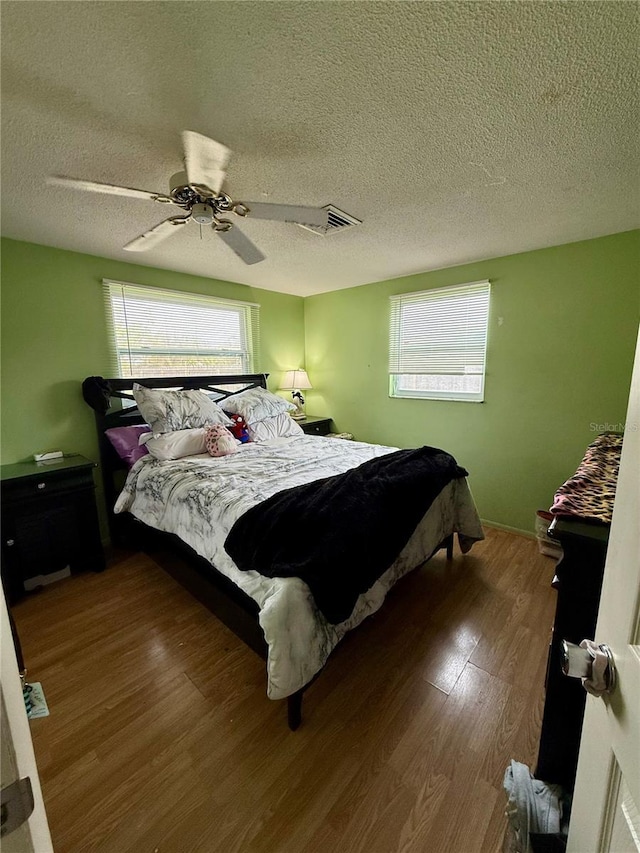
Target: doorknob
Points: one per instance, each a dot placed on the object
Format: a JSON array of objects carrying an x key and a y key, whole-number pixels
[{"x": 593, "y": 663}]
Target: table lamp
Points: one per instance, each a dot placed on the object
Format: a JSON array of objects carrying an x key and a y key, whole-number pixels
[{"x": 296, "y": 381}]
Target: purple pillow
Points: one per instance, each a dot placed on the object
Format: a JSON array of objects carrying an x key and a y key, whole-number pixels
[{"x": 125, "y": 442}]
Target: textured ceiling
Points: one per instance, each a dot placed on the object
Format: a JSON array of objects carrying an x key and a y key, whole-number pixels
[{"x": 455, "y": 131}]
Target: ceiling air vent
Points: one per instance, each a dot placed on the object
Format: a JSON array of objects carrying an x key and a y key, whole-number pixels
[{"x": 338, "y": 221}]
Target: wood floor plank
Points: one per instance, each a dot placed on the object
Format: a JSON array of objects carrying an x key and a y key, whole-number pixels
[
  {"x": 380, "y": 816},
  {"x": 450, "y": 648},
  {"x": 160, "y": 735},
  {"x": 417, "y": 830},
  {"x": 464, "y": 815},
  {"x": 323, "y": 839},
  {"x": 466, "y": 722},
  {"x": 495, "y": 832}
]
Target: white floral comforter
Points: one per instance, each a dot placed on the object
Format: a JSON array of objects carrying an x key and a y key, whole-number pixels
[{"x": 200, "y": 497}]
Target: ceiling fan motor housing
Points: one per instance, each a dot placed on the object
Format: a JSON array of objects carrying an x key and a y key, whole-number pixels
[{"x": 202, "y": 213}]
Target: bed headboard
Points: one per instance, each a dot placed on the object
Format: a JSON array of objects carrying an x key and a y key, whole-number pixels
[{"x": 103, "y": 395}]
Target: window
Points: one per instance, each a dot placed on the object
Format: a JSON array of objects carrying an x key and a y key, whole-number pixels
[
  {"x": 438, "y": 342},
  {"x": 170, "y": 333}
]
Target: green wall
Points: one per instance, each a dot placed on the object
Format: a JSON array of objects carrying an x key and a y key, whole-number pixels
[
  {"x": 562, "y": 332},
  {"x": 54, "y": 335}
]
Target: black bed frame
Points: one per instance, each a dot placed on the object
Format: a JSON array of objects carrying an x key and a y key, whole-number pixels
[{"x": 228, "y": 602}]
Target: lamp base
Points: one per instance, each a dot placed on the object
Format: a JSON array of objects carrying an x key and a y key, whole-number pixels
[{"x": 298, "y": 416}]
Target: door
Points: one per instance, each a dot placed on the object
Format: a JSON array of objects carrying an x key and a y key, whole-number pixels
[
  {"x": 605, "y": 816},
  {"x": 18, "y": 759}
]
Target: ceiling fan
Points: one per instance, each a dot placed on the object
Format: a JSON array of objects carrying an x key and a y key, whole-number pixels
[{"x": 198, "y": 191}]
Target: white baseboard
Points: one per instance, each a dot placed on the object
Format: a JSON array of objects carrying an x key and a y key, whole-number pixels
[{"x": 529, "y": 534}]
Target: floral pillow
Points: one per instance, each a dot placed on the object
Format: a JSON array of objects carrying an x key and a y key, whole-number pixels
[
  {"x": 256, "y": 404},
  {"x": 279, "y": 426},
  {"x": 168, "y": 411},
  {"x": 219, "y": 441}
]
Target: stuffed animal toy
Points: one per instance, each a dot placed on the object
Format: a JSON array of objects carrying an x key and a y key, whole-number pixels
[
  {"x": 219, "y": 441},
  {"x": 239, "y": 428}
]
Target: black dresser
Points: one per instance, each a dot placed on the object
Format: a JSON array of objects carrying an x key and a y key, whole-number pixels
[
  {"x": 583, "y": 506},
  {"x": 49, "y": 522},
  {"x": 579, "y": 583}
]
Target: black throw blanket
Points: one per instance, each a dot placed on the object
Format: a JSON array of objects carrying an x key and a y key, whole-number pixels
[{"x": 340, "y": 534}]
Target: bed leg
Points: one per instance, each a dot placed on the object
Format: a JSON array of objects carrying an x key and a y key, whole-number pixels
[
  {"x": 449, "y": 545},
  {"x": 294, "y": 710}
]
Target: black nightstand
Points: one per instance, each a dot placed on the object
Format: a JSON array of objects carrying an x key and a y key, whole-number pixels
[
  {"x": 315, "y": 426},
  {"x": 49, "y": 521}
]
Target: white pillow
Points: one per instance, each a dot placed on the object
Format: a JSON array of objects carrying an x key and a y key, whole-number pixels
[
  {"x": 175, "y": 445},
  {"x": 279, "y": 426},
  {"x": 169, "y": 411},
  {"x": 256, "y": 404}
]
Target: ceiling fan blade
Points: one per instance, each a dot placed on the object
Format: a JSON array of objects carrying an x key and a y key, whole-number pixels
[
  {"x": 238, "y": 242},
  {"x": 109, "y": 189},
  {"x": 157, "y": 234},
  {"x": 297, "y": 213},
  {"x": 205, "y": 161}
]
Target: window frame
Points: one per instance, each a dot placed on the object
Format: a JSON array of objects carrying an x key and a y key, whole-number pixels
[
  {"x": 249, "y": 330},
  {"x": 400, "y": 300}
]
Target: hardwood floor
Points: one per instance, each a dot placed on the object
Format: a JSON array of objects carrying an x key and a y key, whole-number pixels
[{"x": 161, "y": 737}]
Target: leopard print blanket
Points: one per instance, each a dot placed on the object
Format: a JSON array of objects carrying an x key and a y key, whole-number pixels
[{"x": 590, "y": 493}]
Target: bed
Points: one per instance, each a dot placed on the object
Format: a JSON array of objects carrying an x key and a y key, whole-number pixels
[{"x": 188, "y": 506}]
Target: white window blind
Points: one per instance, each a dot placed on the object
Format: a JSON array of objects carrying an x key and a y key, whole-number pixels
[
  {"x": 438, "y": 342},
  {"x": 158, "y": 332}
]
